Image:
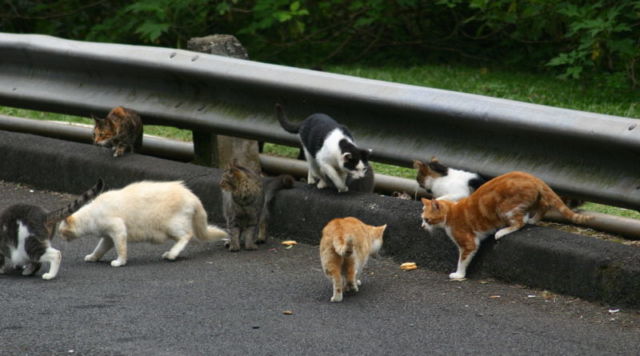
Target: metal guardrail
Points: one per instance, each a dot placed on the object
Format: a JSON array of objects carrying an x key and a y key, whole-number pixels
[{"x": 580, "y": 154}]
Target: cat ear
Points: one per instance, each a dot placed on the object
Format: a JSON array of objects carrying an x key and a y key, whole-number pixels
[
  {"x": 435, "y": 205},
  {"x": 364, "y": 154},
  {"x": 434, "y": 159},
  {"x": 95, "y": 118},
  {"x": 425, "y": 201},
  {"x": 346, "y": 156}
]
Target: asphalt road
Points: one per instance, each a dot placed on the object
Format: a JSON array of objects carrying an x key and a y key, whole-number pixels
[{"x": 214, "y": 302}]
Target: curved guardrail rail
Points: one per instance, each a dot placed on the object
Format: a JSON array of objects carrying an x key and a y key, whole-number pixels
[{"x": 581, "y": 154}]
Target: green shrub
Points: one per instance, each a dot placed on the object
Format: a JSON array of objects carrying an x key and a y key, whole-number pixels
[{"x": 576, "y": 38}]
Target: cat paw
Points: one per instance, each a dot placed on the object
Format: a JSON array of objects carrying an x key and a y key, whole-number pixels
[
  {"x": 117, "y": 263},
  {"x": 234, "y": 248},
  {"x": 28, "y": 271},
  {"x": 251, "y": 246},
  {"x": 322, "y": 184},
  {"x": 168, "y": 256},
  {"x": 48, "y": 276},
  {"x": 343, "y": 190},
  {"x": 90, "y": 258},
  {"x": 457, "y": 276},
  {"x": 336, "y": 298}
]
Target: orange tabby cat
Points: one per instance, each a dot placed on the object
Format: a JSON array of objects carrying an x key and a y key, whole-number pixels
[
  {"x": 505, "y": 203},
  {"x": 344, "y": 250}
]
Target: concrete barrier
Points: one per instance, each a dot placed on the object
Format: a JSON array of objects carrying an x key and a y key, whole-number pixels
[{"x": 535, "y": 256}]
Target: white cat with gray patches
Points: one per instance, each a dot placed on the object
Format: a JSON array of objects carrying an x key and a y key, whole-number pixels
[
  {"x": 446, "y": 183},
  {"x": 141, "y": 212},
  {"x": 25, "y": 235},
  {"x": 330, "y": 150}
]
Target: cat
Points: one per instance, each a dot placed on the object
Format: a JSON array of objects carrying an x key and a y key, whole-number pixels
[
  {"x": 121, "y": 130},
  {"x": 502, "y": 205},
  {"x": 345, "y": 247},
  {"x": 330, "y": 150},
  {"x": 245, "y": 203},
  {"x": 446, "y": 183},
  {"x": 26, "y": 232},
  {"x": 145, "y": 211}
]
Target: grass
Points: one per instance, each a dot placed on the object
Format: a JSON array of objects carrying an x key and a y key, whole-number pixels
[
  {"x": 595, "y": 96},
  {"x": 598, "y": 96}
]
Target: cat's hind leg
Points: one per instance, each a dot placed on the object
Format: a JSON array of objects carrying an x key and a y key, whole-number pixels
[
  {"x": 351, "y": 272},
  {"x": 249, "y": 237},
  {"x": 181, "y": 231},
  {"x": 175, "y": 250},
  {"x": 53, "y": 257},
  {"x": 467, "y": 248},
  {"x": 516, "y": 221},
  {"x": 333, "y": 270},
  {"x": 105, "y": 244},
  {"x": 262, "y": 225},
  {"x": 314, "y": 173},
  {"x": 31, "y": 268}
]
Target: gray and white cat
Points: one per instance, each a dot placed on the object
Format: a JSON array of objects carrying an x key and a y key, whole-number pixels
[
  {"x": 245, "y": 204},
  {"x": 141, "y": 212},
  {"x": 26, "y": 232},
  {"x": 446, "y": 183},
  {"x": 329, "y": 149}
]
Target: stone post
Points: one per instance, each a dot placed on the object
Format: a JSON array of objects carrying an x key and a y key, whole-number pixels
[{"x": 210, "y": 149}]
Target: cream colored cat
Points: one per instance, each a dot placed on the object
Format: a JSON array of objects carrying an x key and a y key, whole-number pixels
[{"x": 141, "y": 212}]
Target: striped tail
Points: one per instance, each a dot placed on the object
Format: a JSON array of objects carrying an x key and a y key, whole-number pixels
[
  {"x": 60, "y": 214},
  {"x": 555, "y": 201},
  {"x": 284, "y": 121},
  {"x": 344, "y": 249}
]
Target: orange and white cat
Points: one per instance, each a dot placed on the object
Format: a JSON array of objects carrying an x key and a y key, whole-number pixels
[
  {"x": 345, "y": 247},
  {"x": 502, "y": 205}
]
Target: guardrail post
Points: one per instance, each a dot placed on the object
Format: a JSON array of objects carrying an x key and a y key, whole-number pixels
[
  {"x": 210, "y": 149},
  {"x": 205, "y": 149}
]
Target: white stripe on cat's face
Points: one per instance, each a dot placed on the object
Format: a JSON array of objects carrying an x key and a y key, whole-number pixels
[{"x": 359, "y": 172}]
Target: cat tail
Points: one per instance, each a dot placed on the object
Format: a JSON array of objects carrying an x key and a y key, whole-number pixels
[
  {"x": 273, "y": 185},
  {"x": 203, "y": 230},
  {"x": 555, "y": 201},
  {"x": 284, "y": 121},
  {"x": 57, "y": 215},
  {"x": 344, "y": 248}
]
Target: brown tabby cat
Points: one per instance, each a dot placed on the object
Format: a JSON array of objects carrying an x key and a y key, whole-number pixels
[
  {"x": 245, "y": 204},
  {"x": 121, "y": 130},
  {"x": 505, "y": 203},
  {"x": 345, "y": 248}
]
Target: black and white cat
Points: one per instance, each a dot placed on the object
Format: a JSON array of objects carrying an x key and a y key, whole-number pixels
[
  {"x": 330, "y": 150},
  {"x": 26, "y": 232},
  {"x": 446, "y": 183}
]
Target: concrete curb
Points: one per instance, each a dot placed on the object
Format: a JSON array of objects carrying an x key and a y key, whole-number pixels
[{"x": 535, "y": 256}]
